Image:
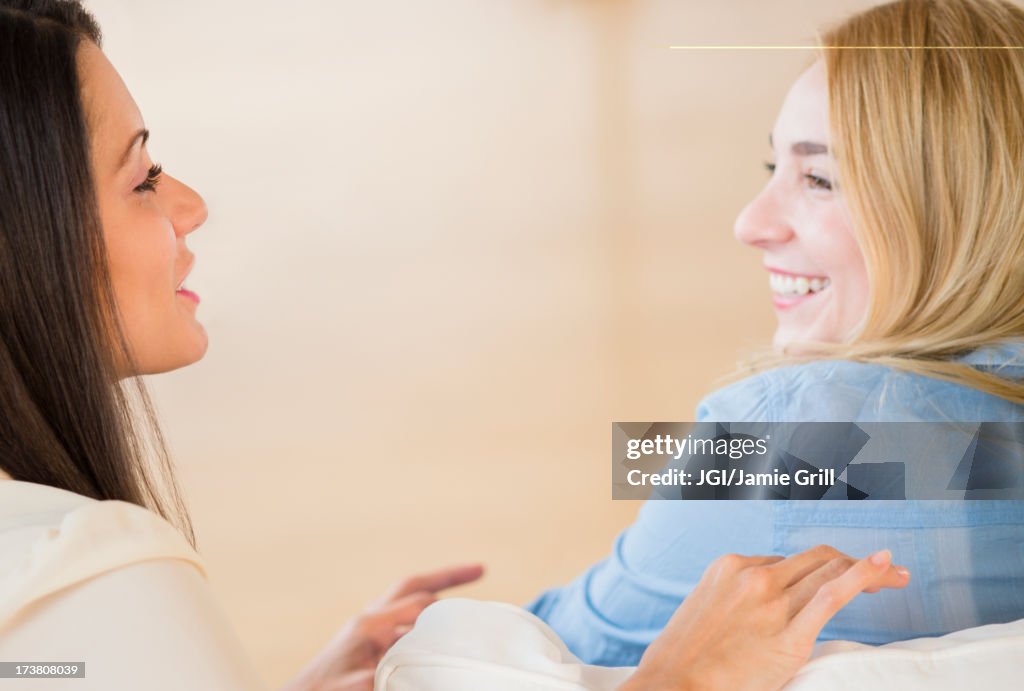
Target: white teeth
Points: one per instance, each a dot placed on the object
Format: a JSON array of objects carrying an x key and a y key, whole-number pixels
[{"x": 784, "y": 284}]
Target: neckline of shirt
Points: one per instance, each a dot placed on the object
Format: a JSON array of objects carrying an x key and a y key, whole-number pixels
[{"x": 1009, "y": 353}]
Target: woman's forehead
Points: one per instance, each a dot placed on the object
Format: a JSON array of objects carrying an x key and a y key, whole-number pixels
[
  {"x": 804, "y": 112},
  {"x": 112, "y": 113}
]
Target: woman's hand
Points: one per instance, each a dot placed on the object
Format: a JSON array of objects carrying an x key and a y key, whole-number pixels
[
  {"x": 752, "y": 622},
  {"x": 348, "y": 661}
]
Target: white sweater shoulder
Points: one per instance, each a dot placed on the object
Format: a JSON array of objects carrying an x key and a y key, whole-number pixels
[{"x": 115, "y": 586}]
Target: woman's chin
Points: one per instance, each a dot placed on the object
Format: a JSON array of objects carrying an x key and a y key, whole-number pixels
[
  {"x": 789, "y": 340},
  {"x": 200, "y": 345},
  {"x": 793, "y": 340},
  {"x": 187, "y": 353},
  {"x": 783, "y": 340}
]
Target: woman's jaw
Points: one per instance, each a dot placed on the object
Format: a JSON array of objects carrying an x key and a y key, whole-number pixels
[{"x": 805, "y": 309}]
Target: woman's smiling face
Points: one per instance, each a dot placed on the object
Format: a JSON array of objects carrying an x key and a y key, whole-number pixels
[
  {"x": 146, "y": 216},
  {"x": 800, "y": 222}
]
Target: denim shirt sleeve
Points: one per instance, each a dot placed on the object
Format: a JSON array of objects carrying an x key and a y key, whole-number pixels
[{"x": 611, "y": 612}]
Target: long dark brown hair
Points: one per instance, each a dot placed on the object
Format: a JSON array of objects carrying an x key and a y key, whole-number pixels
[{"x": 66, "y": 419}]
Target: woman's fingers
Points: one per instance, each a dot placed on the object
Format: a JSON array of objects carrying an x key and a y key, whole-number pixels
[
  {"x": 381, "y": 624},
  {"x": 435, "y": 581},
  {"x": 802, "y": 591},
  {"x": 799, "y": 566},
  {"x": 834, "y": 594},
  {"x": 738, "y": 626},
  {"x": 369, "y": 635},
  {"x": 730, "y": 564},
  {"x": 408, "y": 609},
  {"x": 359, "y": 645}
]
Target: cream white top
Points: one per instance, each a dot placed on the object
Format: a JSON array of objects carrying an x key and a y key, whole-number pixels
[{"x": 115, "y": 586}]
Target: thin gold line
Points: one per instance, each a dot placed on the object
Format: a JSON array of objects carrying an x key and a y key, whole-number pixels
[{"x": 684, "y": 47}]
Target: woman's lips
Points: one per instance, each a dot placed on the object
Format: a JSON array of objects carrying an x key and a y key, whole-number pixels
[
  {"x": 187, "y": 294},
  {"x": 785, "y": 302}
]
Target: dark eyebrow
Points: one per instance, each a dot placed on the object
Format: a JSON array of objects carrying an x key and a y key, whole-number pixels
[
  {"x": 803, "y": 148},
  {"x": 144, "y": 135}
]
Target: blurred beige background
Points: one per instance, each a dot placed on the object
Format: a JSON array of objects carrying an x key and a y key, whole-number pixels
[{"x": 449, "y": 243}]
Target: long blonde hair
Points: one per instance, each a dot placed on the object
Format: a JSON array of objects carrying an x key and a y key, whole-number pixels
[{"x": 929, "y": 144}]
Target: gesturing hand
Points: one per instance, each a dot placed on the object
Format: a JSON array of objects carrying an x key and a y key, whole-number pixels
[
  {"x": 752, "y": 622},
  {"x": 348, "y": 661}
]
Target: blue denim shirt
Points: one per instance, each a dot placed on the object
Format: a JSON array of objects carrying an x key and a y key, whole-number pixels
[{"x": 966, "y": 558}]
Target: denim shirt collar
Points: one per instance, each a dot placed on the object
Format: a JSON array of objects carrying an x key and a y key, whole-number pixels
[{"x": 1008, "y": 353}]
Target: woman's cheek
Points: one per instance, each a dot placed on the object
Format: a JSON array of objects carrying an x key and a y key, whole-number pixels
[{"x": 852, "y": 292}]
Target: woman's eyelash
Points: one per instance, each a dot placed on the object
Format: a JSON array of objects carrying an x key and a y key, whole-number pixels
[
  {"x": 152, "y": 179},
  {"x": 817, "y": 182}
]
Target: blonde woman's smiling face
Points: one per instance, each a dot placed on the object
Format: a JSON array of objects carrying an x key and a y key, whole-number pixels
[{"x": 799, "y": 221}]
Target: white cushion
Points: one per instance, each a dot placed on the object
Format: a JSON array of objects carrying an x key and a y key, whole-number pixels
[{"x": 468, "y": 645}]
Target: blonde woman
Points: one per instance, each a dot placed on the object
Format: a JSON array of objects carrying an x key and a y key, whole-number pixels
[{"x": 892, "y": 234}]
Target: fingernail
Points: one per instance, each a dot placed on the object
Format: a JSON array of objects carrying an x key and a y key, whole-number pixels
[
  {"x": 903, "y": 572},
  {"x": 881, "y": 557}
]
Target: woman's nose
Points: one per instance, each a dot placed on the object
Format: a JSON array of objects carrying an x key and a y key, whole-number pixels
[
  {"x": 761, "y": 222},
  {"x": 188, "y": 210}
]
